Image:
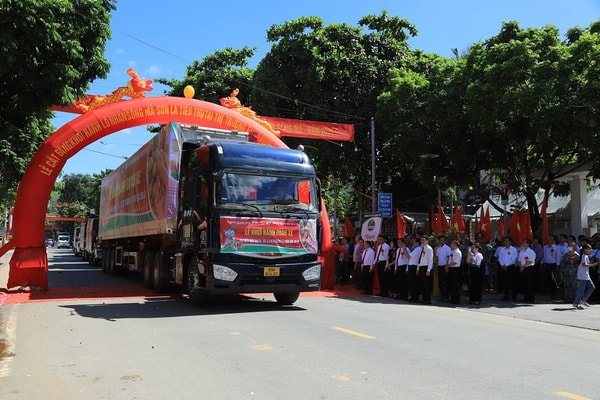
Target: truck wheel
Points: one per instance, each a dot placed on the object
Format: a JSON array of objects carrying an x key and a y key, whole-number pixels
[
  {"x": 105, "y": 260},
  {"x": 158, "y": 279},
  {"x": 147, "y": 269},
  {"x": 111, "y": 268},
  {"x": 286, "y": 299},
  {"x": 195, "y": 285}
]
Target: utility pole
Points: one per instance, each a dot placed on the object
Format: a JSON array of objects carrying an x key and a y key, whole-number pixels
[{"x": 373, "y": 194}]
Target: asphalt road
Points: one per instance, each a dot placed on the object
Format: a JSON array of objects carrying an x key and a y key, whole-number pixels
[{"x": 323, "y": 347}]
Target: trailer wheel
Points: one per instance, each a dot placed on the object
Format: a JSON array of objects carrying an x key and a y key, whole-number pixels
[
  {"x": 105, "y": 260},
  {"x": 158, "y": 277},
  {"x": 195, "y": 284},
  {"x": 147, "y": 269},
  {"x": 112, "y": 269},
  {"x": 286, "y": 299}
]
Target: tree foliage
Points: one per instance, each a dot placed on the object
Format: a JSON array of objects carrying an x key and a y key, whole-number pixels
[
  {"x": 51, "y": 51},
  {"x": 76, "y": 195},
  {"x": 522, "y": 101},
  {"x": 333, "y": 73},
  {"x": 216, "y": 75}
]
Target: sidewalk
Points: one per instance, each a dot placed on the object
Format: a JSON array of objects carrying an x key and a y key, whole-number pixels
[{"x": 544, "y": 310}]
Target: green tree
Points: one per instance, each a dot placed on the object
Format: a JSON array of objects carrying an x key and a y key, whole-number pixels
[
  {"x": 420, "y": 110},
  {"x": 333, "y": 73},
  {"x": 216, "y": 75},
  {"x": 76, "y": 195},
  {"x": 51, "y": 50},
  {"x": 523, "y": 101}
]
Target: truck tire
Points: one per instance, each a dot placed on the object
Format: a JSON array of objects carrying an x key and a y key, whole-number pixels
[
  {"x": 286, "y": 299},
  {"x": 147, "y": 269},
  {"x": 159, "y": 281},
  {"x": 105, "y": 260},
  {"x": 194, "y": 285},
  {"x": 110, "y": 266}
]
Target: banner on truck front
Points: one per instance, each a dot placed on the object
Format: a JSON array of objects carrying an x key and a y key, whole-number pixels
[{"x": 268, "y": 235}]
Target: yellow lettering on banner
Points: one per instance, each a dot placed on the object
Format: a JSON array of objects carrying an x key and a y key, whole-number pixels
[
  {"x": 162, "y": 109},
  {"x": 235, "y": 124},
  {"x": 149, "y": 111},
  {"x": 185, "y": 110},
  {"x": 173, "y": 109},
  {"x": 121, "y": 117},
  {"x": 91, "y": 129},
  {"x": 45, "y": 170}
]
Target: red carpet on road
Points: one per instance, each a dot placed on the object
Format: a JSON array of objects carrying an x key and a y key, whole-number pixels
[{"x": 27, "y": 295}]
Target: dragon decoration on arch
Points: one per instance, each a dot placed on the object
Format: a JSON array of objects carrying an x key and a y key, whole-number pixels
[
  {"x": 235, "y": 104},
  {"x": 135, "y": 89}
]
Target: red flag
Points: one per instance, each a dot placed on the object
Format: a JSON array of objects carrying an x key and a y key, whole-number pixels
[
  {"x": 525, "y": 219},
  {"x": 458, "y": 223},
  {"x": 486, "y": 226},
  {"x": 544, "y": 218},
  {"x": 348, "y": 228},
  {"x": 441, "y": 220},
  {"x": 400, "y": 225},
  {"x": 514, "y": 226},
  {"x": 501, "y": 229},
  {"x": 476, "y": 227}
]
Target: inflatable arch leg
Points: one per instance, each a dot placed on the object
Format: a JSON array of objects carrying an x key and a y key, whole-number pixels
[{"x": 29, "y": 262}]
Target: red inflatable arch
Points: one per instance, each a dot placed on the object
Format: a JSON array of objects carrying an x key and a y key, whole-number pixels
[{"x": 29, "y": 262}]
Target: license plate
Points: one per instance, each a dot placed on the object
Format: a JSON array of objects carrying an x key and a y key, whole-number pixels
[{"x": 271, "y": 271}]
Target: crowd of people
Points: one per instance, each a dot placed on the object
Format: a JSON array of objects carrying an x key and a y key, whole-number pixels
[{"x": 566, "y": 269}]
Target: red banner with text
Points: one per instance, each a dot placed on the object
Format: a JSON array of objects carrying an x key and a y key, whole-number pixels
[
  {"x": 268, "y": 235},
  {"x": 312, "y": 129}
]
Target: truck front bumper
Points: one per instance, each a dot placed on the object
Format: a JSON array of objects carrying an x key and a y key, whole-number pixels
[{"x": 271, "y": 278}]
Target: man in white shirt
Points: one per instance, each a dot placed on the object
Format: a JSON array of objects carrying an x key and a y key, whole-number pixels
[
  {"x": 425, "y": 265},
  {"x": 526, "y": 265},
  {"x": 401, "y": 269},
  {"x": 508, "y": 273},
  {"x": 368, "y": 266},
  {"x": 453, "y": 272},
  {"x": 413, "y": 265},
  {"x": 442, "y": 253},
  {"x": 549, "y": 267},
  {"x": 357, "y": 258},
  {"x": 383, "y": 252}
]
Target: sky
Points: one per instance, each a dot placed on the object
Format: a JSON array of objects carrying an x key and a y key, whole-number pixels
[{"x": 160, "y": 39}]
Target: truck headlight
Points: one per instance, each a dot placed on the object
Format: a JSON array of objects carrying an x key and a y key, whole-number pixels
[
  {"x": 312, "y": 273},
  {"x": 224, "y": 273}
]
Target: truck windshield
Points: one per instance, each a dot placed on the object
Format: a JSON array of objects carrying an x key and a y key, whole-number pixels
[{"x": 260, "y": 189}]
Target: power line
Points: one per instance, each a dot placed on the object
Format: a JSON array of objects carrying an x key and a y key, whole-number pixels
[
  {"x": 106, "y": 154},
  {"x": 158, "y": 48}
]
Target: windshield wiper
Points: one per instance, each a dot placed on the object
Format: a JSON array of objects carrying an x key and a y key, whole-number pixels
[{"x": 241, "y": 206}]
